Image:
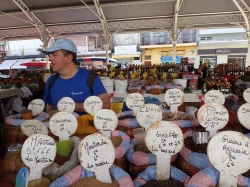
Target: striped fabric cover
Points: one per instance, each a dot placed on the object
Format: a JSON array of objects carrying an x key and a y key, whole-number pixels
[
  {"x": 79, "y": 172},
  {"x": 124, "y": 146},
  {"x": 171, "y": 86},
  {"x": 128, "y": 122},
  {"x": 139, "y": 158},
  {"x": 16, "y": 120},
  {"x": 133, "y": 123},
  {"x": 198, "y": 160},
  {"x": 210, "y": 177},
  {"x": 150, "y": 174}
]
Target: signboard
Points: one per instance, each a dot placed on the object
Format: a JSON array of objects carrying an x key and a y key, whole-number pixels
[
  {"x": 148, "y": 114},
  {"x": 130, "y": 49},
  {"x": 213, "y": 116},
  {"x": 96, "y": 153},
  {"x": 228, "y": 152},
  {"x": 164, "y": 139},
  {"x": 174, "y": 98},
  {"x": 134, "y": 101},
  {"x": 38, "y": 152},
  {"x": 30, "y": 127},
  {"x": 66, "y": 104},
  {"x": 223, "y": 51},
  {"x": 37, "y": 106},
  {"x": 105, "y": 121},
  {"x": 63, "y": 124},
  {"x": 214, "y": 96},
  {"x": 92, "y": 104}
]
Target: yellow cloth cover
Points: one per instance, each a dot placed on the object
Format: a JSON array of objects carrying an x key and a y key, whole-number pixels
[
  {"x": 85, "y": 125},
  {"x": 116, "y": 107}
]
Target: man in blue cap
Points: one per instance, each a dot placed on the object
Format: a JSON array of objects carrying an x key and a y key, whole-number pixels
[{"x": 72, "y": 81}]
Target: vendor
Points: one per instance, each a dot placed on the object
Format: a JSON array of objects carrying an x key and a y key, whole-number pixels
[
  {"x": 71, "y": 81},
  {"x": 21, "y": 101}
]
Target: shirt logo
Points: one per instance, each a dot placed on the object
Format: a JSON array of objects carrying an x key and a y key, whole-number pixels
[{"x": 79, "y": 93}]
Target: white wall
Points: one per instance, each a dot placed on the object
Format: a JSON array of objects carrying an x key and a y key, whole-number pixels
[
  {"x": 23, "y": 47},
  {"x": 221, "y": 31},
  {"x": 223, "y": 44},
  {"x": 222, "y": 59}
]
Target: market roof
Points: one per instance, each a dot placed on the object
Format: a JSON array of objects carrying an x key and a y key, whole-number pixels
[{"x": 27, "y": 18}]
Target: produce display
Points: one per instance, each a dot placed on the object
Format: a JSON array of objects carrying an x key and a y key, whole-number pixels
[
  {"x": 138, "y": 163},
  {"x": 178, "y": 116}
]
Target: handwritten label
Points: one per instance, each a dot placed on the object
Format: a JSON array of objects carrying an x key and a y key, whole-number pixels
[
  {"x": 92, "y": 104},
  {"x": 164, "y": 139},
  {"x": 243, "y": 114},
  {"x": 135, "y": 101},
  {"x": 246, "y": 95},
  {"x": 174, "y": 98},
  {"x": 66, "y": 104},
  {"x": 148, "y": 114},
  {"x": 93, "y": 155},
  {"x": 30, "y": 127},
  {"x": 105, "y": 121},
  {"x": 229, "y": 152},
  {"x": 214, "y": 96},
  {"x": 213, "y": 117},
  {"x": 63, "y": 124},
  {"x": 37, "y": 106},
  {"x": 38, "y": 152}
]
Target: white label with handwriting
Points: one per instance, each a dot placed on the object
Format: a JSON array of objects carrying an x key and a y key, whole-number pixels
[
  {"x": 214, "y": 96},
  {"x": 38, "y": 152},
  {"x": 243, "y": 114},
  {"x": 148, "y": 114},
  {"x": 63, "y": 124},
  {"x": 164, "y": 139},
  {"x": 174, "y": 98},
  {"x": 30, "y": 127},
  {"x": 92, "y": 105},
  {"x": 66, "y": 104},
  {"x": 37, "y": 106},
  {"x": 246, "y": 95},
  {"x": 134, "y": 101},
  {"x": 96, "y": 153},
  {"x": 213, "y": 117},
  {"x": 229, "y": 152},
  {"x": 105, "y": 121}
]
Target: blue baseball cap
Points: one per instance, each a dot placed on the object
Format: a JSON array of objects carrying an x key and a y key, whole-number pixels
[{"x": 61, "y": 43}]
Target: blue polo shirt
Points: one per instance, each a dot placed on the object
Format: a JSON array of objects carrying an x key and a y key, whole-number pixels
[{"x": 75, "y": 88}]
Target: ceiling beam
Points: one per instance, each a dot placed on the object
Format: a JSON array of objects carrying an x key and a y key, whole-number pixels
[
  {"x": 40, "y": 27},
  {"x": 91, "y": 5},
  {"x": 243, "y": 7},
  {"x": 196, "y": 22}
]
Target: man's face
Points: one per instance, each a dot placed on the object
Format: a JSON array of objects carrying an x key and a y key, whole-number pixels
[{"x": 58, "y": 61}]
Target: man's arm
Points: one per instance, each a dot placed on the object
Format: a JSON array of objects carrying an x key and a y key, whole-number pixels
[{"x": 105, "y": 100}]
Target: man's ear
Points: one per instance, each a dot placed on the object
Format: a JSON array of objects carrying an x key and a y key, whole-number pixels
[{"x": 69, "y": 58}]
